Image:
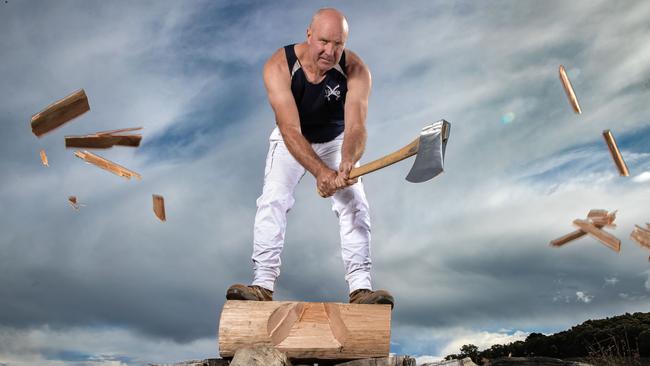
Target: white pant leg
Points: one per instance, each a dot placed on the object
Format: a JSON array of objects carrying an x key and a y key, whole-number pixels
[
  {"x": 281, "y": 175},
  {"x": 352, "y": 210}
]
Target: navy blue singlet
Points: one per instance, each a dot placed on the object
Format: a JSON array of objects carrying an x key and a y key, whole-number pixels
[{"x": 320, "y": 106}]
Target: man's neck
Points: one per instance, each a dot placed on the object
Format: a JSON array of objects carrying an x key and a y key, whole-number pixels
[{"x": 313, "y": 73}]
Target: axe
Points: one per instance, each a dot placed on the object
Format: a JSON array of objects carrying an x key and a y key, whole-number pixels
[{"x": 430, "y": 148}]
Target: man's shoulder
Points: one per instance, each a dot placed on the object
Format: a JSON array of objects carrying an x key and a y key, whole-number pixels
[
  {"x": 354, "y": 63},
  {"x": 278, "y": 56},
  {"x": 275, "y": 68},
  {"x": 277, "y": 60}
]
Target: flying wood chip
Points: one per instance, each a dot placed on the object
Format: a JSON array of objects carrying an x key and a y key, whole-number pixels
[
  {"x": 107, "y": 165},
  {"x": 569, "y": 90},
  {"x": 616, "y": 154},
  {"x": 602, "y": 218},
  {"x": 44, "y": 158},
  {"x": 104, "y": 140},
  {"x": 159, "y": 207},
  {"x": 604, "y": 237},
  {"x": 73, "y": 202},
  {"x": 60, "y": 112},
  {"x": 599, "y": 219},
  {"x": 641, "y": 236}
]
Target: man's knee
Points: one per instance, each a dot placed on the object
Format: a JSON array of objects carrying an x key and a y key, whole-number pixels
[{"x": 276, "y": 196}]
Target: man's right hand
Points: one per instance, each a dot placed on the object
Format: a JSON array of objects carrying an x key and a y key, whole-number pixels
[{"x": 326, "y": 182}]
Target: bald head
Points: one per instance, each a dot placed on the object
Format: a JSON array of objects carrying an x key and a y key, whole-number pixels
[
  {"x": 330, "y": 16},
  {"x": 326, "y": 37}
]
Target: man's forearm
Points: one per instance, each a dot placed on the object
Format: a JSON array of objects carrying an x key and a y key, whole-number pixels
[{"x": 354, "y": 143}]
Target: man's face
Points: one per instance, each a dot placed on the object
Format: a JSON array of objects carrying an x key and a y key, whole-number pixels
[{"x": 326, "y": 40}]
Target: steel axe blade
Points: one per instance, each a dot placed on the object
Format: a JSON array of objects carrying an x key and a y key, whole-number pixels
[
  {"x": 431, "y": 152},
  {"x": 430, "y": 149}
]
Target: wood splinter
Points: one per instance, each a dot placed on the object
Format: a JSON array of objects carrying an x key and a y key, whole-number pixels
[
  {"x": 641, "y": 236},
  {"x": 72, "y": 200},
  {"x": 159, "y": 207},
  {"x": 566, "y": 83},
  {"x": 44, "y": 158},
  {"x": 599, "y": 218},
  {"x": 602, "y": 218},
  {"x": 604, "y": 237},
  {"x": 616, "y": 154},
  {"x": 60, "y": 112},
  {"x": 104, "y": 140},
  {"x": 107, "y": 165}
]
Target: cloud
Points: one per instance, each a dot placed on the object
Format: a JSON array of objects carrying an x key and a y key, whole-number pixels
[
  {"x": 190, "y": 74},
  {"x": 611, "y": 281},
  {"x": 94, "y": 346},
  {"x": 583, "y": 297},
  {"x": 642, "y": 178}
]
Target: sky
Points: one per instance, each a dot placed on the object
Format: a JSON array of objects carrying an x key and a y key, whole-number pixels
[{"x": 466, "y": 254}]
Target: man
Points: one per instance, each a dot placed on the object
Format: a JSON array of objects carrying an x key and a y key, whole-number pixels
[{"x": 319, "y": 92}]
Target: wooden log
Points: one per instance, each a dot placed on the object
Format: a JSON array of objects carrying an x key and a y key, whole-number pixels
[
  {"x": 306, "y": 330},
  {"x": 107, "y": 165},
  {"x": 259, "y": 356},
  {"x": 60, "y": 112},
  {"x": 604, "y": 237}
]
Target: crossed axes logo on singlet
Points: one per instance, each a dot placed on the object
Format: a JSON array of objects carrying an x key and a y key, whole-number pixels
[{"x": 335, "y": 92}]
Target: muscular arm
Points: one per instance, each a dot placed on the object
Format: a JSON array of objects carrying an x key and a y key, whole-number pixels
[
  {"x": 278, "y": 87},
  {"x": 356, "y": 108}
]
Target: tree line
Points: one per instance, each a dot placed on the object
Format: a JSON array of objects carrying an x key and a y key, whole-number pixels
[{"x": 623, "y": 335}]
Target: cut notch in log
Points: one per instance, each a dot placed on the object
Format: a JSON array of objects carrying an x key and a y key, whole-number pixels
[
  {"x": 616, "y": 154},
  {"x": 313, "y": 330},
  {"x": 104, "y": 139},
  {"x": 159, "y": 207},
  {"x": 60, "y": 112},
  {"x": 568, "y": 88},
  {"x": 107, "y": 164}
]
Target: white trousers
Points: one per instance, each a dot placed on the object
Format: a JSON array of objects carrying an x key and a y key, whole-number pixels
[{"x": 281, "y": 175}]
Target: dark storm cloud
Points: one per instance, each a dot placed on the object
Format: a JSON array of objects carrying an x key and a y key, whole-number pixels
[{"x": 468, "y": 250}]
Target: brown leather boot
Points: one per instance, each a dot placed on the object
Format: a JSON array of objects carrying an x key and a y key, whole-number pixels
[
  {"x": 252, "y": 293},
  {"x": 365, "y": 296}
]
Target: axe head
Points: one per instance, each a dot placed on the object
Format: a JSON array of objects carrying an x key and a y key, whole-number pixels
[{"x": 431, "y": 152}]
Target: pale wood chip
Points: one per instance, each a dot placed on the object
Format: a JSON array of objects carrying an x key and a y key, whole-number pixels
[
  {"x": 44, "y": 158},
  {"x": 107, "y": 165},
  {"x": 566, "y": 83},
  {"x": 616, "y": 154},
  {"x": 604, "y": 237}
]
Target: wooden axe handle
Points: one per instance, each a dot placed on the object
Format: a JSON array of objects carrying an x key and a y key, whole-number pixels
[{"x": 399, "y": 155}]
